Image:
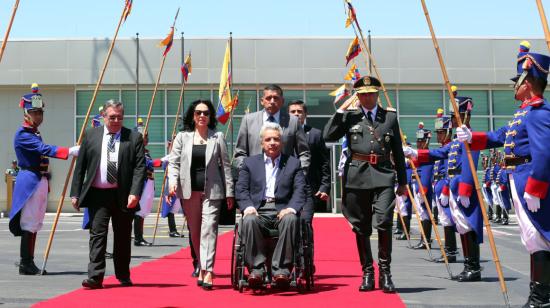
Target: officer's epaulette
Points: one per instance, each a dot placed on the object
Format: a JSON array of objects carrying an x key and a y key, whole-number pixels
[{"x": 391, "y": 109}]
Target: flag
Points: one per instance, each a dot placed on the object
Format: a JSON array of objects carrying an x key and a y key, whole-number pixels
[
  {"x": 353, "y": 50},
  {"x": 352, "y": 74},
  {"x": 127, "y": 9},
  {"x": 339, "y": 93},
  {"x": 167, "y": 41},
  {"x": 351, "y": 14},
  {"x": 225, "y": 103},
  {"x": 186, "y": 68}
]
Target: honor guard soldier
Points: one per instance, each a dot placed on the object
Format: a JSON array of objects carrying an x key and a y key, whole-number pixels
[
  {"x": 30, "y": 197},
  {"x": 503, "y": 191},
  {"x": 486, "y": 189},
  {"x": 403, "y": 206},
  {"x": 527, "y": 160},
  {"x": 425, "y": 172},
  {"x": 495, "y": 168},
  {"x": 369, "y": 175},
  {"x": 463, "y": 202}
]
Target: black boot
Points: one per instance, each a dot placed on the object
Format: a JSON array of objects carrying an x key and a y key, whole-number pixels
[
  {"x": 398, "y": 225},
  {"x": 403, "y": 236},
  {"x": 138, "y": 232},
  {"x": 27, "y": 266},
  {"x": 490, "y": 213},
  {"x": 384, "y": 260},
  {"x": 450, "y": 245},
  {"x": 504, "y": 217},
  {"x": 365, "y": 256},
  {"x": 472, "y": 269},
  {"x": 172, "y": 226},
  {"x": 435, "y": 212},
  {"x": 539, "y": 295},
  {"x": 498, "y": 214},
  {"x": 427, "y": 227}
]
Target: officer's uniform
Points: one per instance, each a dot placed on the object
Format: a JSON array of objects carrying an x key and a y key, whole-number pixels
[
  {"x": 486, "y": 189},
  {"x": 30, "y": 196},
  {"x": 527, "y": 160},
  {"x": 467, "y": 217},
  {"x": 370, "y": 174},
  {"x": 495, "y": 168},
  {"x": 425, "y": 172},
  {"x": 504, "y": 193}
]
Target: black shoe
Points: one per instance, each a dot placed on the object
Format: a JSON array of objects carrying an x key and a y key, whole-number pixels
[
  {"x": 497, "y": 220},
  {"x": 472, "y": 269},
  {"x": 142, "y": 242},
  {"x": 397, "y": 232},
  {"x": 255, "y": 280},
  {"x": 421, "y": 245},
  {"x": 402, "y": 237},
  {"x": 368, "y": 283},
  {"x": 91, "y": 283},
  {"x": 385, "y": 283},
  {"x": 196, "y": 272},
  {"x": 126, "y": 282},
  {"x": 451, "y": 257},
  {"x": 108, "y": 255},
  {"x": 28, "y": 268},
  {"x": 175, "y": 234},
  {"x": 469, "y": 275},
  {"x": 282, "y": 281}
]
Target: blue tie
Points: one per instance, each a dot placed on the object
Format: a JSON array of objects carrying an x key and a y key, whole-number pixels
[{"x": 271, "y": 119}]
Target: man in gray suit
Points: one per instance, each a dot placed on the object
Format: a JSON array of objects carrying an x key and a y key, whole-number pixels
[{"x": 294, "y": 139}]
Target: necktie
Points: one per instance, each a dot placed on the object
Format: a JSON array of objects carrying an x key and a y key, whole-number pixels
[
  {"x": 271, "y": 119},
  {"x": 369, "y": 116},
  {"x": 111, "y": 165}
]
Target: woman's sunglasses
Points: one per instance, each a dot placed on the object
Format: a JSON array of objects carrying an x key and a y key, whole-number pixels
[{"x": 202, "y": 112}]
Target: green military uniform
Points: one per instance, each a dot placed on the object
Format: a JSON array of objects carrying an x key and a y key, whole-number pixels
[{"x": 370, "y": 176}]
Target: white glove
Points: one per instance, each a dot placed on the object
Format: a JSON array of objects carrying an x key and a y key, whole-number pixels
[
  {"x": 165, "y": 158},
  {"x": 73, "y": 151},
  {"x": 533, "y": 203},
  {"x": 499, "y": 189},
  {"x": 444, "y": 199},
  {"x": 418, "y": 198},
  {"x": 463, "y": 133},
  {"x": 410, "y": 152},
  {"x": 465, "y": 201}
]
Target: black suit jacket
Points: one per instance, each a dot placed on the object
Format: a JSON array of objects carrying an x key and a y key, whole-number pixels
[
  {"x": 131, "y": 167},
  {"x": 319, "y": 168},
  {"x": 289, "y": 184}
]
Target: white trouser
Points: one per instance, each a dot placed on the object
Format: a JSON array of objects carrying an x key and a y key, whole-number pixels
[
  {"x": 147, "y": 197},
  {"x": 486, "y": 197},
  {"x": 176, "y": 207},
  {"x": 34, "y": 210},
  {"x": 400, "y": 206},
  {"x": 422, "y": 213},
  {"x": 461, "y": 223},
  {"x": 530, "y": 236},
  {"x": 494, "y": 191},
  {"x": 443, "y": 218}
]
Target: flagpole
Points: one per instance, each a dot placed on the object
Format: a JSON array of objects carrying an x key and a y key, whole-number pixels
[
  {"x": 413, "y": 167},
  {"x": 544, "y": 22},
  {"x": 137, "y": 77},
  {"x": 370, "y": 48},
  {"x": 470, "y": 160},
  {"x": 5, "y": 41},
  {"x": 230, "y": 88},
  {"x": 173, "y": 135},
  {"x": 81, "y": 135}
]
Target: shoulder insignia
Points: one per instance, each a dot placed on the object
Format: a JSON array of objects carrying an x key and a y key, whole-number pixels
[{"x": 391, "y": 109}]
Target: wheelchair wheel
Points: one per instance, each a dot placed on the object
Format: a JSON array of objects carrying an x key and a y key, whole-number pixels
[
  {"x": 234, "y": 259},
  {"x": 308, "y": 267}
]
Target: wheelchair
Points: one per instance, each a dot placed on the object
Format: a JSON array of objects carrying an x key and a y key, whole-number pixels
[{"x": 301, "y": 277}]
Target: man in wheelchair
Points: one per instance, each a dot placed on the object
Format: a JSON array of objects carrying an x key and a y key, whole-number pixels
[{"x": 270, "y": 192}]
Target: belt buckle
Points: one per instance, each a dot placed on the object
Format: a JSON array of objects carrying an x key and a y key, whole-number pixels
[{"x": 373, "y": 159}]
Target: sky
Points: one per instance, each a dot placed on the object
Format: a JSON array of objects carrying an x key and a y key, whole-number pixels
[{"x": 66, "y": 19}]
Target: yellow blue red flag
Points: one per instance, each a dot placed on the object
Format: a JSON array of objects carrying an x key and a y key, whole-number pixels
[
  {"x": 225, "y": 103},
  {"x": 186, "y": 68},
  {"x": 127, "y": 9},
  {"x": 351, "y": 14},
  {"x": 353, "y": 50},
  {"x": 339, "y": 93},
  {"x": 167, "y": 41}
]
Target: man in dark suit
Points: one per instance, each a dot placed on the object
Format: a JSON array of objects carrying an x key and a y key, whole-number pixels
[
  {"x": 294, "y": 140},
  {"x": 270, "y": 192},
  {"x": 373, "y": 137},
  {"x": 318, "y": 175},
  {"x": 108, "y": 180}
]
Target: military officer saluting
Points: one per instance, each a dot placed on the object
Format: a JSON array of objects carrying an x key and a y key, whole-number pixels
[
  {"x": 369, "y": 175},
  {"x": 30, "y": 197},
  {"x": 527, "y": 160}
]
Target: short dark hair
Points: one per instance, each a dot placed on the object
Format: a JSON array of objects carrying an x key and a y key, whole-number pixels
[
  {"x": 274, "y": 87},
  {"x": 189, "y": 124},
  {"x": 298, "y": 102},
  {"x": 538, "y": 84}
]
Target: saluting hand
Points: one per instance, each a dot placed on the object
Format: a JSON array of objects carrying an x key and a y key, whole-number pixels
[
  {"x": 132, "y": 201},
  {"x": 349, "y": 102}
]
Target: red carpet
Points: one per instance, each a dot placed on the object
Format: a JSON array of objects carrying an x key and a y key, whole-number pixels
[{"x": 166, "y": 282}]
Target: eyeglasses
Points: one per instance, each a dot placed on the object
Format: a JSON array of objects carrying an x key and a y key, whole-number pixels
[
  {"x": 115, "y": 118},
  {"x": 202, "y": 112}
]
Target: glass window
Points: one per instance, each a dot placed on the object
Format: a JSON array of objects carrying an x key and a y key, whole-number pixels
[
  {"x": 480, "y": 124},
  {"x": 319, "y": 102},
  {"x": 189, "y": 96},
  {"x": 84, "y": 97},
  {"x": 290, "y": 95},
  {"x": 391, "y": 94},
  {"x": 170, "y": 125},
  {"x": 500, "y": 122},
  {"x": 145, "y": 102},
  {"x": 248, "y": 101},
  {"x": 156, "y": 151},
  {"x": 504, "y": 103},
  {"x": 128, "y": 98},
  {"x": 420, "y": 102},
  {"x": 480, "y": 98},
  {"x": 156, "y": 130},
  {"x": 317, "y": 122},
  {"x": 227, "y": 133},
  {"x": 159, "y": 176},
  {"x": 129, "y": 122},
  {"x": 409, "y": 125}
]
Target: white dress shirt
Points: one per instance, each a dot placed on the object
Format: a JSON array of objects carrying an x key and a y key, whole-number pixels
[
  {"x": 100, "y": 180},
  {"x": 271, "y": 170},
  {"x": 365, "y": 110},
  {"x": 277, "y": 116}
]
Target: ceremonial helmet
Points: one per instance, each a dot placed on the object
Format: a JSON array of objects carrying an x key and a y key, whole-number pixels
[
  {"x": 33, "y": 100},
  {"x": 530, "y": 64},
  {"x": 423, "y": 134}
]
